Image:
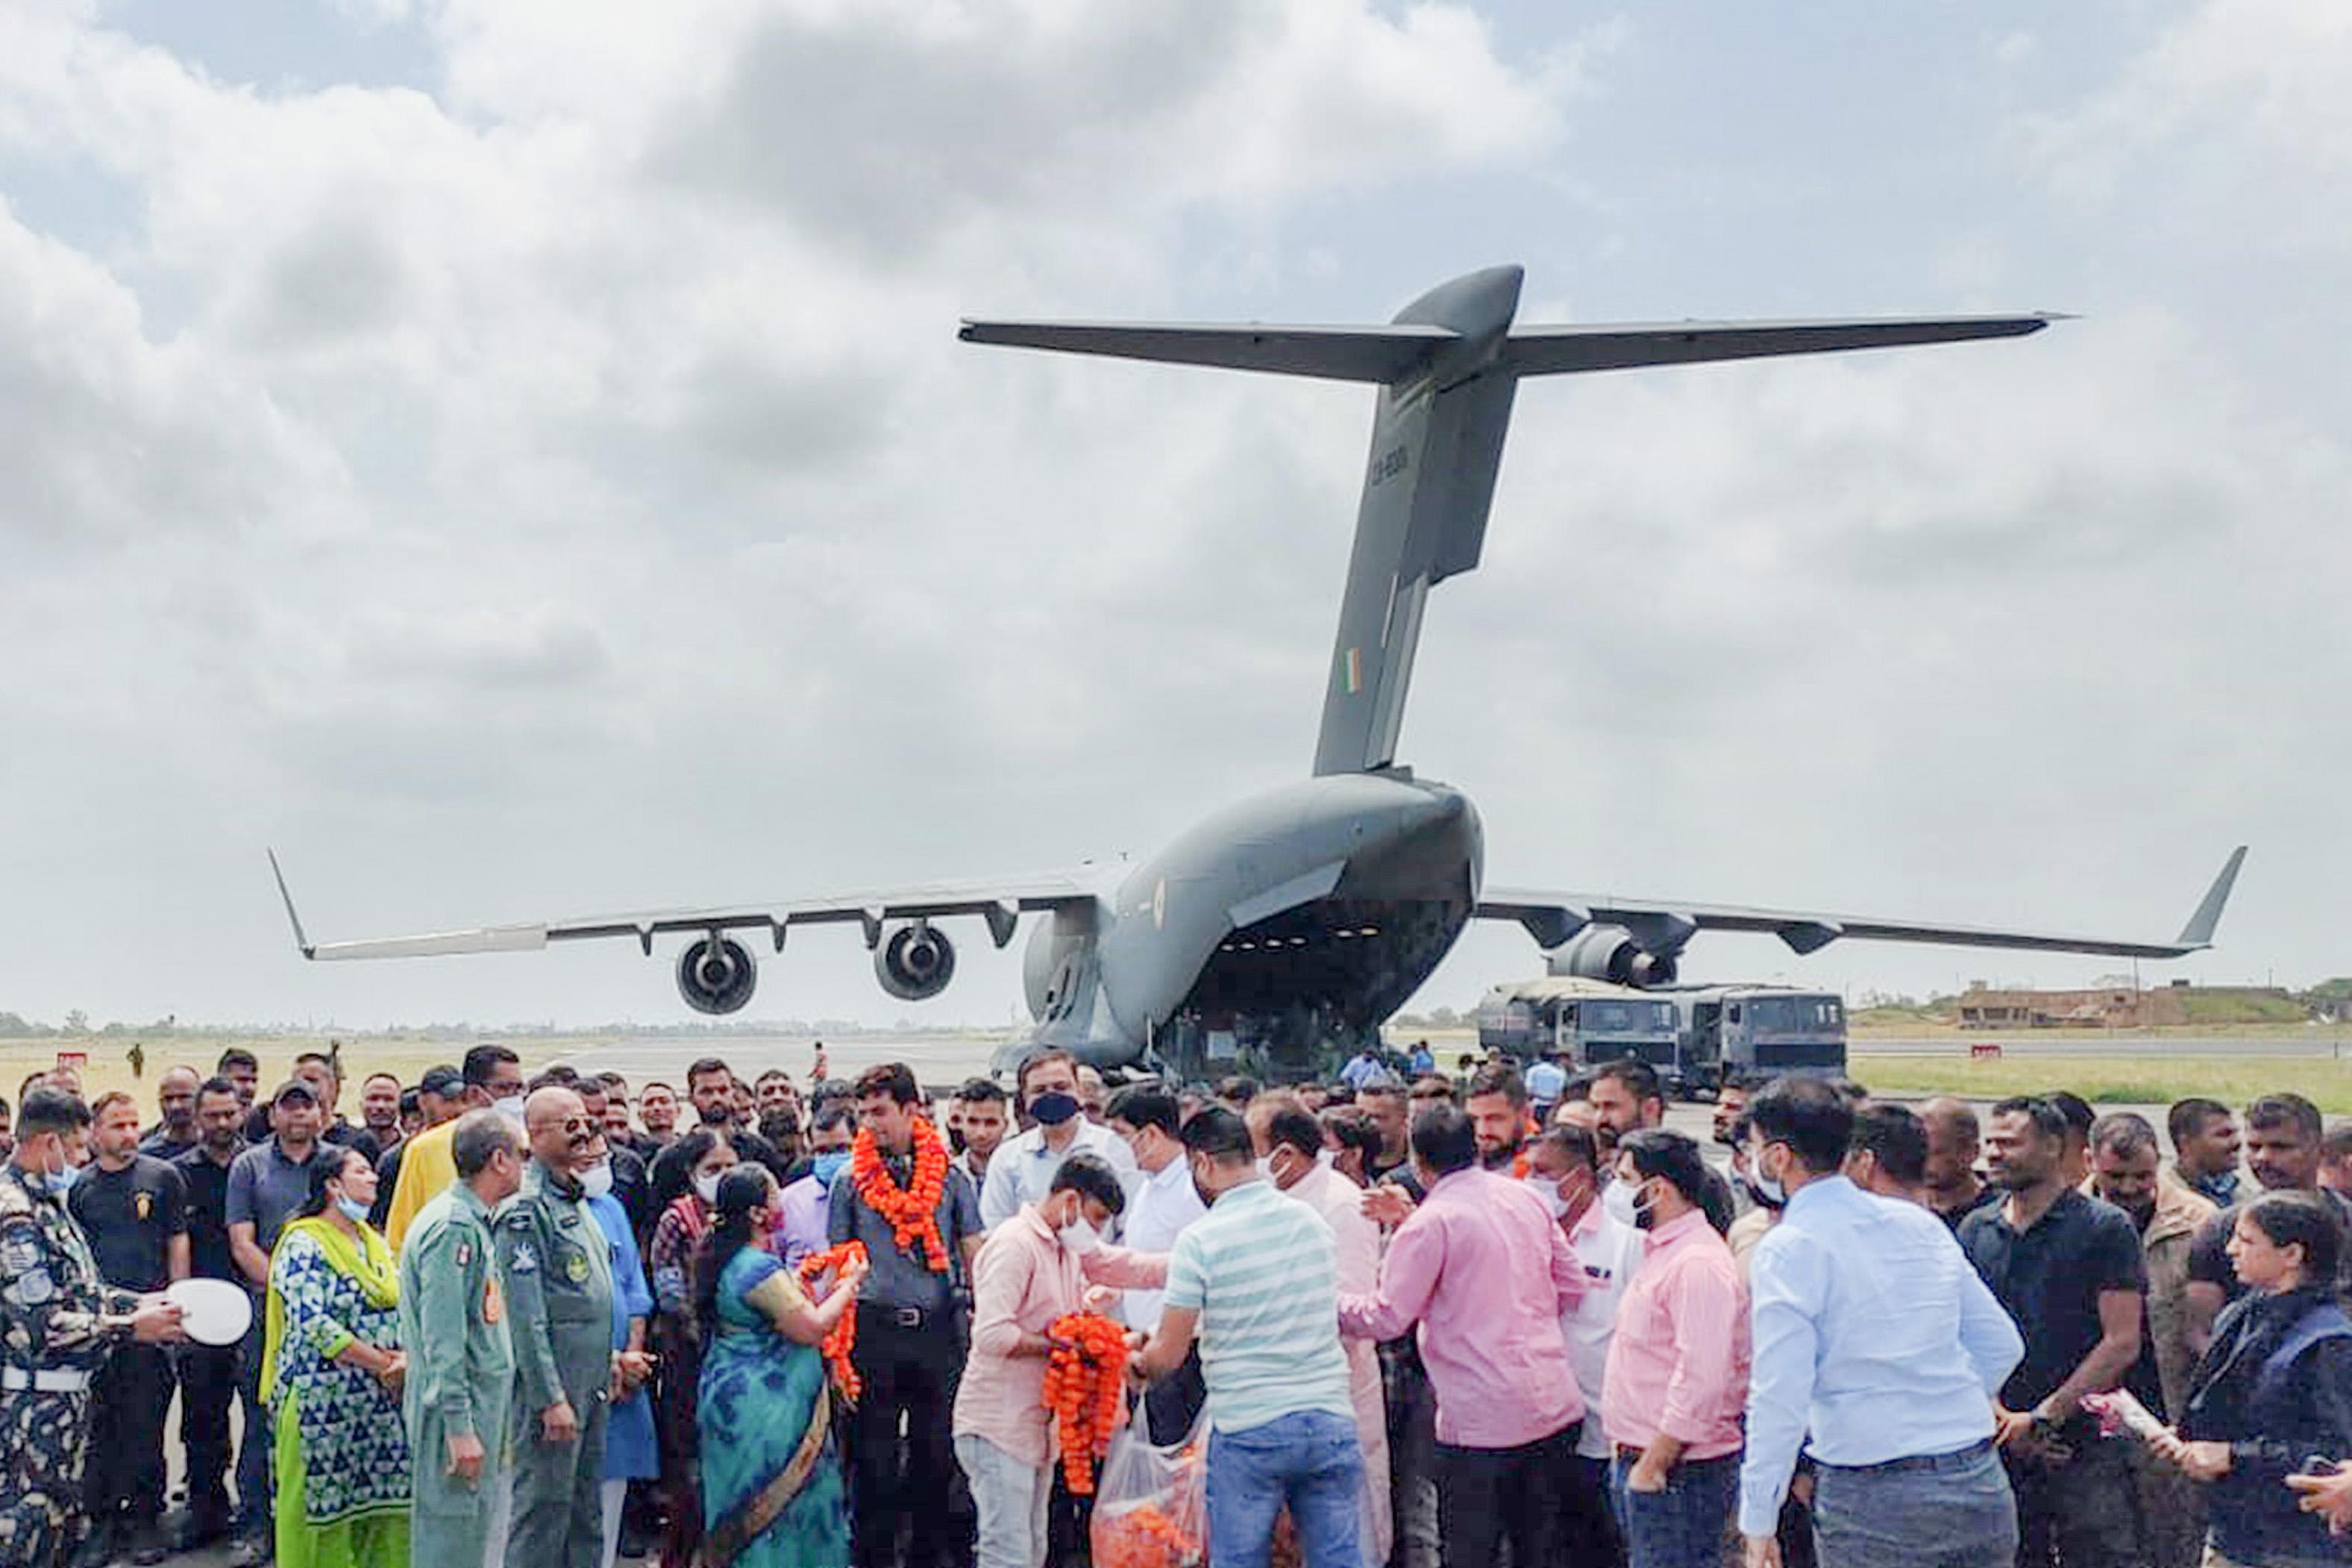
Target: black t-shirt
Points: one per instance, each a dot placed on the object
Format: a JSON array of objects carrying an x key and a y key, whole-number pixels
[
  {"x": 207, "y": 1185},
  {"x": 1987, "y": 1196},
  {"x": 2050, "y": 1278},
  {"x": 387, "y": 1178},
  {"x": 158, "y": 1144},
  {"x": 131, "y": 1216}
]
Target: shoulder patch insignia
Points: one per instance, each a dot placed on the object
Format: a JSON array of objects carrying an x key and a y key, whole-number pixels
[
  {"x": 525, "y": 1261},
  {"x": 20, "y": 1249},
  {"x": 464, "y": 1253}
]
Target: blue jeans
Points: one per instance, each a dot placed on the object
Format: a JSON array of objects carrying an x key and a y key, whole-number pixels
[
  {"x": 1944, "y": 1510},
  {"x": 1685, "y": 1525},
  {"x": 254, "y": 1469},
  {"x": 1308, "y": 1459}
]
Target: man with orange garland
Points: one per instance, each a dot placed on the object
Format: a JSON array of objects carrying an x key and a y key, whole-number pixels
[
  {"x": 920, "y": 1220},
  {"x": 1027, "y": 1279}
]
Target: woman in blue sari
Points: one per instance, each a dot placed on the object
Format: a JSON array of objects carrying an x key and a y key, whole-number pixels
[{"x": 774, "y": 1495}]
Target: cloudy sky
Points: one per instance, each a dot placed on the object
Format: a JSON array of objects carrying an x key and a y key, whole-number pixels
[{"x": 515, "y": 457}]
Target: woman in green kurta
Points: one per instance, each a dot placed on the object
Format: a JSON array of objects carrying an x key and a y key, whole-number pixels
[
  {"x": 331, "y": 1369},
  {"x": 774, "y": 1495}
]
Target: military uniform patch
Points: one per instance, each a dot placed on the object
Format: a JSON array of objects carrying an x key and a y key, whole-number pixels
[
  {"x": 525, "y": 1261},
  {"x": 32, "y": 1287},
  {"x": 464, "y": 1253},
  {"x": 575, "y": 1269},
  {"x": 20, "y": 1248},
  {"x": 142, "y": 1204}
]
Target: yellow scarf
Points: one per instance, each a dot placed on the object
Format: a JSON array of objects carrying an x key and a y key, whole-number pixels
[{"x": 367, "y": 1262}]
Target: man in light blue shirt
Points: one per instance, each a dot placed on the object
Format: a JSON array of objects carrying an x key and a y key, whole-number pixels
[
  {"x": 1255, "y": 1280},
  {"x": 1546, "y": 1081},
  {"x": 1872, "y": 1333}
]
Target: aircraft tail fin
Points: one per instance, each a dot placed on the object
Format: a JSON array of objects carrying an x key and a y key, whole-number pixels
[{"x": 1448, "y": 366}]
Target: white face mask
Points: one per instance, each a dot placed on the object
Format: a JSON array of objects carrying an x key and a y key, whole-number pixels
[
  {"x": 1547, "y": 1189},
  {"x": 510, "y": 1107},
  {"x": 706, "y": 1188},
  {"x": 1079, "y": 1237},
  {"x": 1618, "y": 1203},
  {"x": 1326, "y": 1158},
  {"x": 596, "y": 1181},
  {"x": 1266, "y": 1166}
]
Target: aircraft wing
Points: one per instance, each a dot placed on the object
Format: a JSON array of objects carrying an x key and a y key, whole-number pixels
[
  {"x": 1663, "y": 926},
  {"x": 999, "y": 902}
]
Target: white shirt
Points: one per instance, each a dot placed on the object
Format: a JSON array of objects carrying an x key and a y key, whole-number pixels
[
  {"x": 1156, "y": 1213},
  {"x": 1022, "y": 1170},
  {"x": 1610, "y": 1253},
  {"x": 1875, "y": 1340}
]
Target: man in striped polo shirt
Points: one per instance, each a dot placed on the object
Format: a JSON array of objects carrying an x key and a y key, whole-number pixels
[{"x": 1256, "y": 1279}]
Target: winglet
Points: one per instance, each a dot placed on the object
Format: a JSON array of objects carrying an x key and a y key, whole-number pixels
[
  {"x": 2199, "y": 931},
  {"x": 309, "y": 948}
]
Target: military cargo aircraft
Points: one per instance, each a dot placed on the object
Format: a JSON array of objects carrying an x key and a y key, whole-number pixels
[{"x": 1291, "y": 924}]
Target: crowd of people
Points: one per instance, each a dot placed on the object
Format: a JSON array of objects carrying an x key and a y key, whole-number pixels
[{"x": 1407, "y": 1318}]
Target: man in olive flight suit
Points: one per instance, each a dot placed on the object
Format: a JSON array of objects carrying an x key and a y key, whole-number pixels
[
  {"x": 460, "y": 1392},
  {"x": 559, "y": 1280},
  {"x": 56, "y": 1319}
]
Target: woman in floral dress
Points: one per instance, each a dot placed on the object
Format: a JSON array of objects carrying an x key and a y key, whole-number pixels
[{"x": 331, "y": 1370}]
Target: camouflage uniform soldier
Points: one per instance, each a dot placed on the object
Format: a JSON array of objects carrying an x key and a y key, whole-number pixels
[
  {"x": 56, "y": 1318},
  {"x": 461, "y": 1361},
  {"x": 559, "y": 1280}
]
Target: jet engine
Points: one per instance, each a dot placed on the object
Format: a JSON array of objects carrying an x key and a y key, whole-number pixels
[
  {"x": 1610, "y": 953},
  {"x": 913, "y": 960},
  {"x": 716, "y": 974}
]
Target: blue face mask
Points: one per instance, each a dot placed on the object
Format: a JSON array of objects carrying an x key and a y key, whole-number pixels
[
  {"x": 354, "y": 1210},
  {"x": 1052, "y": 1108},
  {"x": 60, "y": 1183},
  {"x": 826, "y": 1166}
]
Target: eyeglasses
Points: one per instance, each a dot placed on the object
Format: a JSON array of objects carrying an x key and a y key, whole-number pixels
[{"x": 581, "y": 1124}]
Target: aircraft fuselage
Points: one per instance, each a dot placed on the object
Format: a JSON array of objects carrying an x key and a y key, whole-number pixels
[{"x": 1294, "y": 920}]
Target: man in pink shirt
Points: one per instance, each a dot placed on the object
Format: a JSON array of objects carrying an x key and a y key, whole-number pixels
[
  {"x": 1026, "y": 1276},
  {"x": 1486, "y": 1273},
  {"x": 1289, "y": 1141},
  {"x": 1676, "y": 1382}
]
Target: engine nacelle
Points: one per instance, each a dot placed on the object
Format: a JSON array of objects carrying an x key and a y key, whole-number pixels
[
  {"x": 1610, "y": 953},
  {"x": 717, "y": 974},
  {"x": 913, "y": 960}
]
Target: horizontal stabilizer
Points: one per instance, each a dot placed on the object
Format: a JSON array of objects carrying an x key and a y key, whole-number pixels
[
  {"x": 1552, "y": 351},
  {"x": 1388, "y": 354},
  {"x": 1378, "y": 354}
]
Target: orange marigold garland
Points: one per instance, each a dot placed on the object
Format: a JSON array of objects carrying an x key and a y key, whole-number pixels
[
  {"x": 912, "y": 1210},
  {"x": 842, "y": 1337},
  {"x": 1083, "y": 1389}
]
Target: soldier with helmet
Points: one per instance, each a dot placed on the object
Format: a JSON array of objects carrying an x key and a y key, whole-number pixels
[{"x": 58, "y": 1319}]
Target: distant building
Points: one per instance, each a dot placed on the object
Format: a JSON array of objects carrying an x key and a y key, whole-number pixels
[{"x": 2122, "y": 1007}]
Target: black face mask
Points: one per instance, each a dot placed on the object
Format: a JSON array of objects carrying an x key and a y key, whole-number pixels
[
  {"x": 1052, "y": 1108},
  {"x": 955, "y": 1139}
]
